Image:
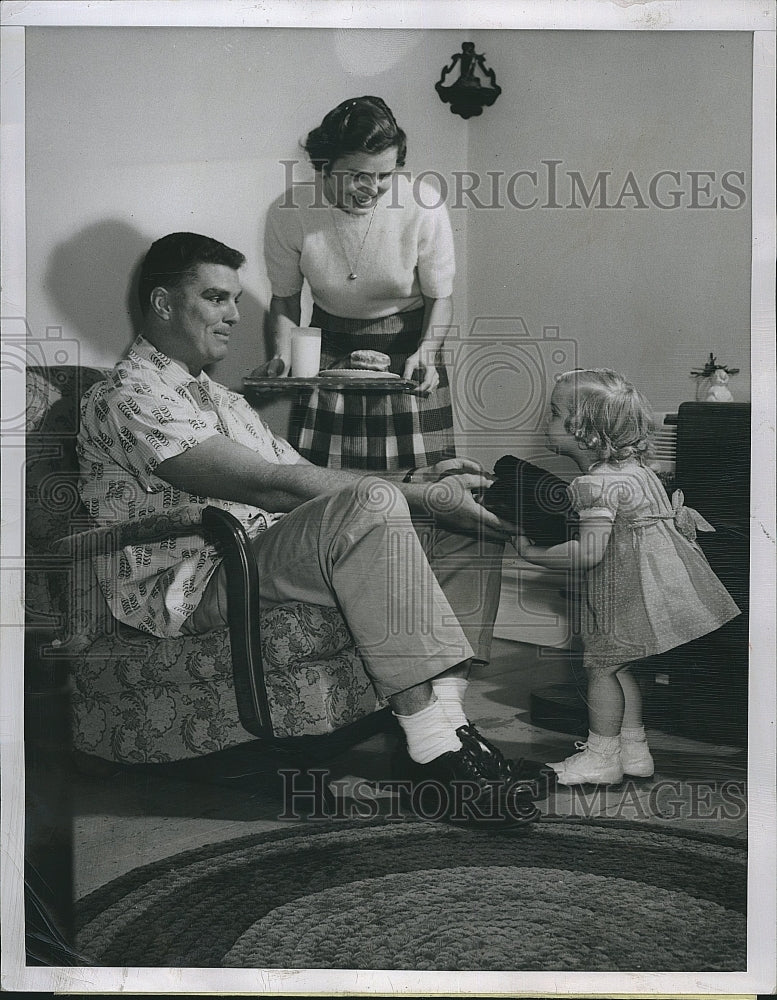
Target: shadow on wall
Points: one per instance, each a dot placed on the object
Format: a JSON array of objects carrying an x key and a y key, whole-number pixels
[
  {"x": 89, "y": 278},
  {"x": 92, "y": 279}
]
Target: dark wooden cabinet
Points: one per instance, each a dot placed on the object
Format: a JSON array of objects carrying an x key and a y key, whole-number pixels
[{"x": 700, "y": 690}]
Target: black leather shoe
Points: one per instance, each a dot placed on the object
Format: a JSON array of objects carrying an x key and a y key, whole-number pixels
[
  {"x": 535, "y": 779},
  {"x": 458, "y": 788}
]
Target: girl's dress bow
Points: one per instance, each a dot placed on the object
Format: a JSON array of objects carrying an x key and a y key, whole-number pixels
[{"x": 687, "y": 520}]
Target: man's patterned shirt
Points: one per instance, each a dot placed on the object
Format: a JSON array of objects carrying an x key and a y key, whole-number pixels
[{"x": 148, "y": 410}]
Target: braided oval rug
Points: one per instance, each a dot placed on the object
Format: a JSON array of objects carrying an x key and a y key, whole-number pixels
[{"x": 591, "y": 895}]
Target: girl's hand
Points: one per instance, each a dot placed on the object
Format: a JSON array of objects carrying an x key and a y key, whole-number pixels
[
  {"x": 522, "y": 543},
  {"x": 423, "y": 360}
]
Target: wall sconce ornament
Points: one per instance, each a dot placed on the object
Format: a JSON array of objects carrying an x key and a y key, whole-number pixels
[
  {"x": 712, "y": 382},
  {"x": 469, "y": 94}
]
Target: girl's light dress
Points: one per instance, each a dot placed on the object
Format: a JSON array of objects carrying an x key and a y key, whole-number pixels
[{"x": 654, "y": 589}]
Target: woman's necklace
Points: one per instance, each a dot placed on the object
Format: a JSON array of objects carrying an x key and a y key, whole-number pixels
[{"x": 354, "y": 267}]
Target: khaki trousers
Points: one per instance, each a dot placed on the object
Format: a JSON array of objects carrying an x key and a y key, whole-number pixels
[{"x": 417, "y": 599}]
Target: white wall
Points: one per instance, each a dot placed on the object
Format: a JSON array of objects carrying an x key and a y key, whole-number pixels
[
  {"x": 648, "y": 291},
  {"x": 133, "y": 133}
]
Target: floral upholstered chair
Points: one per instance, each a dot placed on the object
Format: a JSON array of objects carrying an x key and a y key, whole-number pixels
[{"x": 291, "y": 671}]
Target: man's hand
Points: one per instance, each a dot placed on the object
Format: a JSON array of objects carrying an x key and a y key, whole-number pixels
[
  {"x": 454, "y": 507},
  {"x": 453, "y": 466},
  {"x": 522, "y": 543}
]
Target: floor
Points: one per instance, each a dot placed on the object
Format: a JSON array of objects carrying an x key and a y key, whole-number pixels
[{"x": 110, "y": 825}]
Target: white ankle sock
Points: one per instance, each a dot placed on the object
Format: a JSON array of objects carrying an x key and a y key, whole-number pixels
[
  {"x": 450, "y": 693},
  {"x": 429, "y": 734},
  {"x": 608, "y": 746},
  {"x": 635, "y": 735}
]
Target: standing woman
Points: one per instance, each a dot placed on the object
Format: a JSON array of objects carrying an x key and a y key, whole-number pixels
[{"x": 380, "y": 267}]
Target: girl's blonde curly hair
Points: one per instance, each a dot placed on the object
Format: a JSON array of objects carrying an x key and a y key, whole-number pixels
[{"x": 608, "y": 416}]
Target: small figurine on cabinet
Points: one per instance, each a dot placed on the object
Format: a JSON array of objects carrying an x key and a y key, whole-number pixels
[
  {"x": 712, "y": 382},
  {"x": 719, "y": 391}
]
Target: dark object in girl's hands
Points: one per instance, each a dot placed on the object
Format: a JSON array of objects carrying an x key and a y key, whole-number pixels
[{"x": 534, "y": 499}]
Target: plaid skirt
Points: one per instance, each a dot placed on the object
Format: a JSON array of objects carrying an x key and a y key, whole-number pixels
[{"x": 373, "y": 431}]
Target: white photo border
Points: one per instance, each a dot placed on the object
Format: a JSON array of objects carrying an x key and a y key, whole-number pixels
[{"x": 684, "y": 15}]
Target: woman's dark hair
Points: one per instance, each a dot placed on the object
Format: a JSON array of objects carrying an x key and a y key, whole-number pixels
[
  {"x": 173, "y": 259},
  {"x": 360, "y": 125}
]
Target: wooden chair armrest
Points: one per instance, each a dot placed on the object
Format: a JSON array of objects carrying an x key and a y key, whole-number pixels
[
  {"x": 228, "y": 534},
  {"x": 243, "y": 618}
]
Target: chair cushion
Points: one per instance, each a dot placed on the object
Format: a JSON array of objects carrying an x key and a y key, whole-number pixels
[
  {"x": 292, "y": 632},
  {"x": 137, "y": 698}
]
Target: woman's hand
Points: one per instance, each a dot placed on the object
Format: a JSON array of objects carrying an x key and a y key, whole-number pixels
[
  {"x": 272, "y": 368},
  {"x": 423, "y": 360},
  {"x": 454, "y": 507}
]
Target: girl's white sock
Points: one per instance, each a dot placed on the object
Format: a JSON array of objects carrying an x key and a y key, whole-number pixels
[
  {"x": 450, "y": 692},
  {"x": 608, "y": 746},
  {"x": 635, "y": 735},
  {"x": 429, "y": 734}
]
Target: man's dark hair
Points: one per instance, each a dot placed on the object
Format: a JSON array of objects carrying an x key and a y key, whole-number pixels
[{"x": 173, "y": 259}]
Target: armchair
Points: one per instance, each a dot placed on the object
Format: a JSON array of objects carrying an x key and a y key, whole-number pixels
[{"x": 289, "y": 671}]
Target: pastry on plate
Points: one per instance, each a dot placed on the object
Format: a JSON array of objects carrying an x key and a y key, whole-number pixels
[{"x": 371, "y": 361}]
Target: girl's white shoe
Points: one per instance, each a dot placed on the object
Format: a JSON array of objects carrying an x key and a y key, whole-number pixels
[
  {"x": 591, "y": 766},
  {"x": 636, "y": 759}
]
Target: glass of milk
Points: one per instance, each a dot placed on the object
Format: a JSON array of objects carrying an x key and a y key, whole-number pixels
[{"x": 305, "y": 351}]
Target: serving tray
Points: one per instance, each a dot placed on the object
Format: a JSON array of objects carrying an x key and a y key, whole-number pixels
[{"x": 340, "y": 383}]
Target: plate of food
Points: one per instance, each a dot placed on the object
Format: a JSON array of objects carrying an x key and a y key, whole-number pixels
[{"x": 361, "y": 364}]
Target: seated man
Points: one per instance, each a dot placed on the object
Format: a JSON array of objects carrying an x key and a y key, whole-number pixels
[{"x": 419, "y": 601}]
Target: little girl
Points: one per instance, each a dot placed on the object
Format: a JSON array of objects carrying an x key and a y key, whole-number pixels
[{"x": 649, "y": 586}]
